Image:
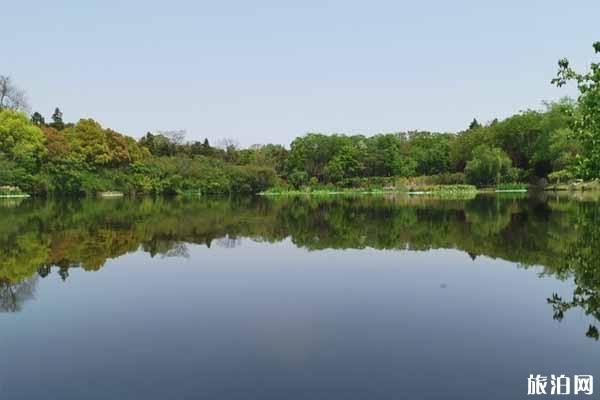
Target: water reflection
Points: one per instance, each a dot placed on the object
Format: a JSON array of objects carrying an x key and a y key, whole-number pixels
[
  {"x": 560, "y": 234},
  {"x": 14, "y": 295}
]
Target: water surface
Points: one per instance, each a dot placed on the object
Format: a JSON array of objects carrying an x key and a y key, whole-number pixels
[{"x": 298, "y": 298}]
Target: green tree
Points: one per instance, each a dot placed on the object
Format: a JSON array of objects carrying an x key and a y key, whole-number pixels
[
  {"x": 312, "y": 152},
  {"x": 97, "y": 146},
  {"x": 388, "y": 155},
  {"x": 489, "y": 166},
  {"x": 518, "y": 136},
  {"x": 38, "y": 119},
  {"x": 586, "y": 121},
  {"x": 345, "y": 164},
  {"x": 556, "y": 147},
  {"x": 474, "y": 124},
  {"x": 298, "y": 178},
  {"x": 160, "y": 144},
  {"x": 20, "y": 140},
  {"x": 431, "y": 152},
  {"x": 57, "y": 120}
]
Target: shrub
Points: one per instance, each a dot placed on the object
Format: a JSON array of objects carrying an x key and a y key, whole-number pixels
[
  {"x": 489, "y": 165},
  {"x": 298, "y": 178},
  {"x": 561, "y": 176},
  {"x": 10, "y": 191},
  {"x": 251, "y": 179}
]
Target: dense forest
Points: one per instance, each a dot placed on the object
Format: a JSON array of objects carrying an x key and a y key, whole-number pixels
[{"x": 558, "y": 143}]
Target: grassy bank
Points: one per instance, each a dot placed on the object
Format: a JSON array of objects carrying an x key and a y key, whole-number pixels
[
  {"x": 441, "y": 190},
  {"x": 576, "y": 186},
  {"x": 12, "y": 191}
]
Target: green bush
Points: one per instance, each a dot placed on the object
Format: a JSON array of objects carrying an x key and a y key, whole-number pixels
[
  {"x": 562, "y": 176},
  {"x": 489, "y": 166},
  {"x": 298, "y": 178},
  {"x": 251, "y": 179},
  {"x": 10, "y": 191}
]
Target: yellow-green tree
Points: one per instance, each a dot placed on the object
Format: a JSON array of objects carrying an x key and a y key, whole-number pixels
[{"x": 20, "y": 140}]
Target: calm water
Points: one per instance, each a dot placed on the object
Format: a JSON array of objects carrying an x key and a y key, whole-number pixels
[{"x": 254, "y": 298}]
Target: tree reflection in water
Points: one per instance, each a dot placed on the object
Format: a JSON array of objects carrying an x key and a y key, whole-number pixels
[
  {"x": 582, "y": 262},
  {"x": 559, "y": 234},
  {"x": 14, "y": 295}
]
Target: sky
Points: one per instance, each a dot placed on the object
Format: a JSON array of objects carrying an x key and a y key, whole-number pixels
[{"x": 268, "y": 71}]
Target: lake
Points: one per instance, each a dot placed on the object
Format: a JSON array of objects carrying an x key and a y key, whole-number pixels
[{"x": 368, "y": 297}]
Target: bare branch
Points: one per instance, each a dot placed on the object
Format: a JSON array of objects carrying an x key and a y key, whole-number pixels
[
  {"x": 11, "y": 97},
  {"x": 176, "y": 137},
  {"x": 228, "y": 143}
]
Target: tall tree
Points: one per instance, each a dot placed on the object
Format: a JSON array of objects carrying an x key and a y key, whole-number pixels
[
  {"x": 586, "y": 121},
  {"x": 57, "y": 120},
  {"x": 38, "y": 119},
  {"x": 489, "y": 166},
  {"x": 474, "y": 124}
]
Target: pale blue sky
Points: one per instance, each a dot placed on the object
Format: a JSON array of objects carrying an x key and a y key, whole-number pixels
[{"x": 267, "y": 71}]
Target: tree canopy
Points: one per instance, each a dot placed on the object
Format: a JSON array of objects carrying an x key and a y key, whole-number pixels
[{"x": 585, "y": 119}]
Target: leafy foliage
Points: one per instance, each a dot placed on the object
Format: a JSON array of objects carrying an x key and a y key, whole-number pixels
[
  {"x": 586, "y": 121},
  {"x": 489, "y": 166},
  {"x": 560, "y": 142},
  {"x": 20, "y": 140},
  {"x": 87, "y": 158}
]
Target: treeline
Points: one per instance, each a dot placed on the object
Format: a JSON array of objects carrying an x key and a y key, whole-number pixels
[
  {"x": 558, "y": 143},
  {"x": 524, "y": 147},
  {"x": 84, "y": 157}
]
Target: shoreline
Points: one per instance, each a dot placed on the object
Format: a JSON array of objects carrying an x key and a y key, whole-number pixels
[{"x": 11, "y": 196}]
